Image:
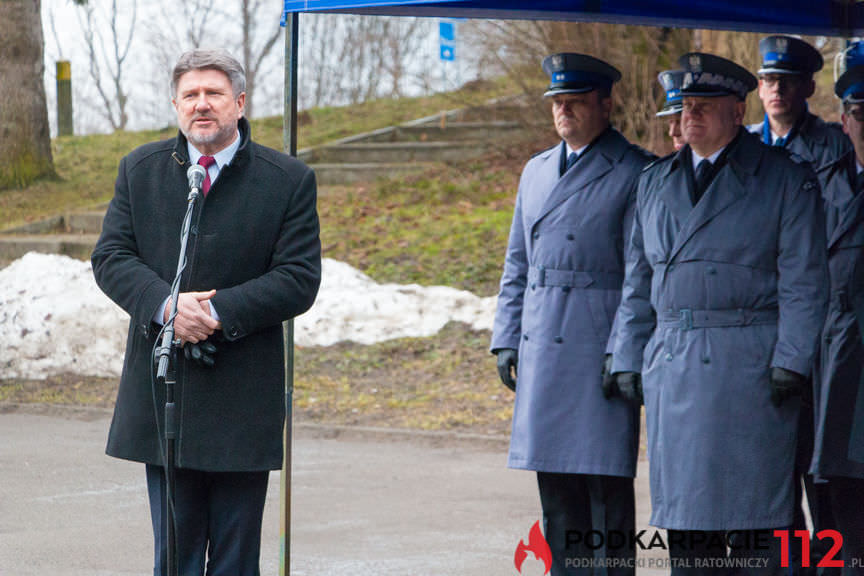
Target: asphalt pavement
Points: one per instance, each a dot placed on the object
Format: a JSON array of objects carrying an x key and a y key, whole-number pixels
[{"x": 364, "y": 502}]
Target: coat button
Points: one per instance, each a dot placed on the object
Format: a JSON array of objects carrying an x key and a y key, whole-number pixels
[
  {"x": 570, "y": 237},
  {"x": 671, "y": 268},
  {"x": 668, "y": 356},
  {"x": 706, "y": 360},
  {"x": 536, "y": 235},
  {"x": 559, "y": 339},
  {"x": 711, "y": 270},
  {"x": 565, "y": 289},
  {"x": 234, "y": 332},
  {"x": 524, "y": 336},
  {"x": 533, "y": 286}
]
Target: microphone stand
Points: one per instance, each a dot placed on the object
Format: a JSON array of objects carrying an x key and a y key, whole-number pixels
[{"x": 166, "y": 373}]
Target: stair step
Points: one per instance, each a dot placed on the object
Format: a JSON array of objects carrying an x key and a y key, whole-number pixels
[
  {"x": 330, "y": 174},
  {"x": 396, "y": 152},
  {"x": 435, "y": 132},
  {"x": 14, "y": 246},
  {"x": 84, "y": 222}
]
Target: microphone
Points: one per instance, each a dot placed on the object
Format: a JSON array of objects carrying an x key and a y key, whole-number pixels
[{"x": 195, "y": 176}]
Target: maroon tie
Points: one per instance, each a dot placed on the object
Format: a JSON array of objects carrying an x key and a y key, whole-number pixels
[{"x": 206, "y": 162}]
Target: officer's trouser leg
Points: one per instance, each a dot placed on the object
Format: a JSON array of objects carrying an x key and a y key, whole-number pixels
[
  {"x": 692, "y": 551},
  {"x": 758, "y": 551},
  {"x": 581, "y": 512},
  {"x": 818, "y": 500},
  {"x": 848, "y": 505}
]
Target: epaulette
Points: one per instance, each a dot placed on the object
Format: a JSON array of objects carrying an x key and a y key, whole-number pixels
[
  {"x": 657, "y": 161},
  {"x": 544, "y": 151}
]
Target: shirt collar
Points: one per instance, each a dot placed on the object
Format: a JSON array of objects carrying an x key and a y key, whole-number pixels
[
  {"x": 223, "y": 157},
  {"x": 712, "y": 158},
  {"x": 578, "y": 152}
]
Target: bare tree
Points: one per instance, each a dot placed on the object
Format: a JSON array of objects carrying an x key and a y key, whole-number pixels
[
  {"x": 255, "y": 51},
  {"x": 114, "y": 97},
  {"x": 197, "y": 14},
  {"x": 350, "y": 59},
  {"x": 319, "y": 34},
  {"x": 25, "y": 145},
  {"x": 403, "y": 41},
  {"x": 168, "y": 36}
]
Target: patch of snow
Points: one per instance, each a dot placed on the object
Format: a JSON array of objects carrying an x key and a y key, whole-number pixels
[{"x": 54, "y": 319}]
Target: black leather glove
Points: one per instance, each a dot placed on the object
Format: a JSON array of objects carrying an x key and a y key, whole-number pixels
[
  {"x": 630, "y": 386},
  {"x": 202, "y": 353},
  {"x": 785, "y": 384},
  {"x": 607, "y": 379},
  {"x": 507, "y": 358}
]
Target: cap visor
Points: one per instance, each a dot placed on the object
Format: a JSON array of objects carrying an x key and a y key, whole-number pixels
[
  {"x": 779, "y": 71},
  {"x": 549, "y": 93},
  {"x": 669, "y": 111}
]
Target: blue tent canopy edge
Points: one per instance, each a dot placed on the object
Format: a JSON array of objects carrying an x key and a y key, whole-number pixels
[{"x": 811, "y": 17}]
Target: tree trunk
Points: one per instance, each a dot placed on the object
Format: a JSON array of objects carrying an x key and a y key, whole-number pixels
[{"x": 25, "y": 139}]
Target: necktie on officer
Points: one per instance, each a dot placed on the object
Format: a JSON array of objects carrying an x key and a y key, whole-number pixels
[
  {"x": 571, "y": 160},
  {"x": 781, "y": 142},
  {"x": 704, "y": 172},
  {"x": 206, "y": 162}
]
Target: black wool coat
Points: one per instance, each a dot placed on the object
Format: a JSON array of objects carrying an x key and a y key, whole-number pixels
[{"x": 255, "y": 239}]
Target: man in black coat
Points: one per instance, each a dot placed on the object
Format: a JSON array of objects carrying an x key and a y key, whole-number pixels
[{"x": 253, "y": 261}]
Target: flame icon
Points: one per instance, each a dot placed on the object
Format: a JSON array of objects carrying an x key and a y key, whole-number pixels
[{"x": 536, "y": 544}]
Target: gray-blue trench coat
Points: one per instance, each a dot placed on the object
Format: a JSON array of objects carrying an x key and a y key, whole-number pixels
[
  {"x": 559, "y": 291},
  {"x": 714, "y": 296},
  {"x": 841, "y": 357},
  {"x": 818, "y": 142}
]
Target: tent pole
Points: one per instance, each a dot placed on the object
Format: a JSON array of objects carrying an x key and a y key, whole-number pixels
[{"x": 289, "y": 142}]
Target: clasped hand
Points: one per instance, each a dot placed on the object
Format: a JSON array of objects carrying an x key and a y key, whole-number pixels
[{"x": 193, "y": 322}]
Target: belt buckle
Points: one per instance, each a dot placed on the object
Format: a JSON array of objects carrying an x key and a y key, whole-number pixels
[
  {"x": 541, "y": 276},
  {"x": 686, "y": 319}
]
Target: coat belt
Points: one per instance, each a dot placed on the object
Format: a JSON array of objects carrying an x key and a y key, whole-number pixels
[
  {"x": 595, "y": 279},
  {"x": 688, "y": 319}
]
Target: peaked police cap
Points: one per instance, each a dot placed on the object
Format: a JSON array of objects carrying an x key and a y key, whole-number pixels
[{"x": 571, "y": 73}]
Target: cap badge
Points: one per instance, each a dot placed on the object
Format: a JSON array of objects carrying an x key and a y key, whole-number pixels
[
  {"x": 782, "y": 44},
  {"x": 557, "y": 61},
  {"x": 695, "y": 63}
]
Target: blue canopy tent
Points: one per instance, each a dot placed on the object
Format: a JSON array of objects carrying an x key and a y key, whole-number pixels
[{"x": 843, "y": 18}]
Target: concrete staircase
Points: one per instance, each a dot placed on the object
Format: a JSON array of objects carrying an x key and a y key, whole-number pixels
[
  {"x": 386, "y": 153},
  {"x": 406, "y": 148}
]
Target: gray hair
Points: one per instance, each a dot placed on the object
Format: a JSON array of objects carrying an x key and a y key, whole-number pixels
[{"x": 210, "y": 60}]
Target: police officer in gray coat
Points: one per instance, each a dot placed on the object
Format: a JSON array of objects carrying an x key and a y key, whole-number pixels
[
  {"x": 559, "y": 291},
  {"x": 785, "y": 84},
  {"x": 841, "y": 359},
  {"x": 670, "y": 80},
  {"x": 724, "y": 295}
]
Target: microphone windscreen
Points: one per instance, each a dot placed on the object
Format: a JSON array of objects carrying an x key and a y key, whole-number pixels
[{"x": 195, "y": 175}]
